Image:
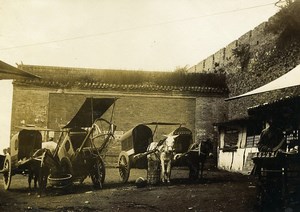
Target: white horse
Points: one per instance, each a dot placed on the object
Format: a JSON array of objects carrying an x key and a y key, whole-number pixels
[{"x": 166, "y": 157}]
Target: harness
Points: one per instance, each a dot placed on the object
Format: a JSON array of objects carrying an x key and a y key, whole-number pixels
[{"x": 167, "y": 147}]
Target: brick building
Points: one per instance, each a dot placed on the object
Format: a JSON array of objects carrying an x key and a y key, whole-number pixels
[{"x": 195, "y": 100}]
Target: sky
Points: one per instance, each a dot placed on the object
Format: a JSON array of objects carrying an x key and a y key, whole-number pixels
[{"x": 154, "y": 35}]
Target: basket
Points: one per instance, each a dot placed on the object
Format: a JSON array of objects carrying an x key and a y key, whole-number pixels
[{"x": 153, "y": 172}]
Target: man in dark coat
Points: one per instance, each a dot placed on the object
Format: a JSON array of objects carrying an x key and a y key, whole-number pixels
[{"x": 272, "y": 138}]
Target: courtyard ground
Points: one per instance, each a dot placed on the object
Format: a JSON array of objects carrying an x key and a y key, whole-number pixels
[{"x": 218, "y": 191}]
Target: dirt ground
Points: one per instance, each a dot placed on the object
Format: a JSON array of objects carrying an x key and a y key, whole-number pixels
[{"x": 219, "y": 191}]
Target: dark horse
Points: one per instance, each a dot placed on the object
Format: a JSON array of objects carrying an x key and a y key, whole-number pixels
[
  {"x": 196, "y": 158},
  {"x": 38, "y": 170}
]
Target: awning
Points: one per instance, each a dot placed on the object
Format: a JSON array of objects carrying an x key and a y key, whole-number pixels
[
  {"x": 10, "y": 72},
  {"x": 283, "y": 106},
  {"x": 290, "y": 79},
  {"x": 91, "y": 109}
]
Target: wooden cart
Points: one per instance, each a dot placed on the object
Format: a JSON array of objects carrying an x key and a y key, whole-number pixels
[
  {"x": 80, "y": 149},
  {"x": 135, "y": 143},
  {"x": 82, "y": 145},
  {"x": 21, "y": 155}
]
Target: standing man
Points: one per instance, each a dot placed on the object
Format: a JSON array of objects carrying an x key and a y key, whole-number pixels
[{"x": 272, "y": 138}]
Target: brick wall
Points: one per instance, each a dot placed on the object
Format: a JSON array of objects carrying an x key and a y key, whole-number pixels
[
  {"x": 209, "y": 110},
  {"x": 130, "y": 110},
  {"x": 52, "y": 108},
  {"x": 29, "y": 105}
]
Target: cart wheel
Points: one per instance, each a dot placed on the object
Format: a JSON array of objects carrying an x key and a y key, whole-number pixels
[
  {"x": 7, "y": 174},
  {"x": 98, "y": 173},
  {"x": 124, "y": 167}
]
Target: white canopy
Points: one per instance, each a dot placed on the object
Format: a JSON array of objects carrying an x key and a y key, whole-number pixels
[{"x": 290, "y": 79}]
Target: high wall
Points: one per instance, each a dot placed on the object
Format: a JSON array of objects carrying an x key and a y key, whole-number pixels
[
  {"x": 267, "y": 60},
  {"x": 225, "y": 57}
]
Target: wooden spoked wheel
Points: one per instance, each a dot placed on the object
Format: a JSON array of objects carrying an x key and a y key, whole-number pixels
[
  {"x": 7, "y": 172},
  {"x": 98, "y": 173},
  {"x": 124, "y": 167}
]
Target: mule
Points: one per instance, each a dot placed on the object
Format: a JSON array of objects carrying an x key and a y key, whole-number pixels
[{"x": 166, "y": 151}]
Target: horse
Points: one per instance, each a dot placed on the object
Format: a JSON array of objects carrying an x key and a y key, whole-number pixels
[
  {"x": 32, "y": 175},
  {"x": 195, "y": 158},
  {"x": 197, "y": 161},
  {"x": 38, "y": 171},
  {"x": 166, "y": 151}
]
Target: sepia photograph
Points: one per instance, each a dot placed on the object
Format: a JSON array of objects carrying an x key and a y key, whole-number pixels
[{"x": 150, "y": 105}]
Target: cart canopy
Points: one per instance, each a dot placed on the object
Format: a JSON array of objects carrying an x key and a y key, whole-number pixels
[
  {"x": 91, "y": 109},
  {"x": 28, "y": 141},
  {"x": 137, "y": 138},
  {"x": 184, "y": 139}
]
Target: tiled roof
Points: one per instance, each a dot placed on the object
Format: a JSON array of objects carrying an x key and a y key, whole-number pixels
[
  {"x": 103, "y": 79},
  {"x": 108, "y": 86}
]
